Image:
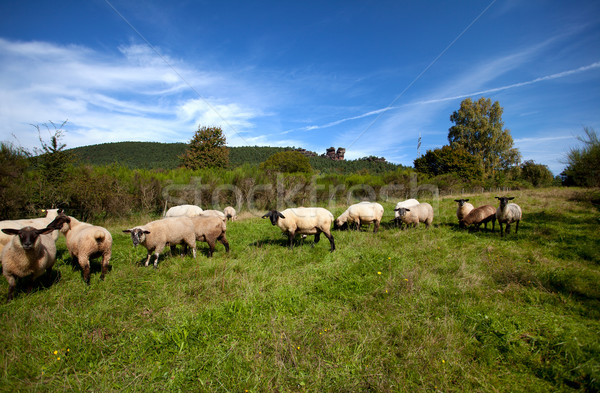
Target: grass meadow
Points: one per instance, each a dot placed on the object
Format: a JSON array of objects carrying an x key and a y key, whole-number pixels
[{"x": 442, "y": 309}]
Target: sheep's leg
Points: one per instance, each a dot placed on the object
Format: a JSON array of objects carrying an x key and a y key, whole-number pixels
[
  {"x": 291, "y": 240},
  {"x": 105, "y": 262},
  {"x": 501, "y": 229},
  {"x": 12, "y": 284},
  {"x": 224, "y": 241},
  {"x": 155, "y": 261},
  {"x": 330, "y": 237},
  {"x": 317, "y": 237},
  {"x": 85, "y": 266},
  {"x": 376, "y": 226},
  {"x": 507, "y": 228},
  {"x": 148, "y": 259},
  {"x": 517, "y": 228},
  {"x": 211, "y": 247}
]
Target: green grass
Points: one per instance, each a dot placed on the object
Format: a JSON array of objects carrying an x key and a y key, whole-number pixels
[{"x": 418, "y": 310}]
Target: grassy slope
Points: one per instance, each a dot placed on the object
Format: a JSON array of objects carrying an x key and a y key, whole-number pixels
[{"x": 420, "y": 310}]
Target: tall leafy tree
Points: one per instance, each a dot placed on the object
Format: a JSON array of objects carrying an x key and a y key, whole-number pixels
[
  {"x": 478, "y": 128},
  {"x": 583, "y": 164},
  {"x": 447, "y": 160},
  {"x": 207, "y": 149}
]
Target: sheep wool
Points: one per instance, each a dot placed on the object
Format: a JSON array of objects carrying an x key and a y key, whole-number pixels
[
  {"x": 480, "y": 215},
  {"x": 230, "y": 213},
  {"x": 209, "y": 229},
  {"x": 508, "y": 213},
  {"x": 423, "y": 212},
  {"x": 303, "y": 221},
  {"x": 84, "y": 242},
  {"x": 361, "y": 213},
  {"x": 184, "y": 211},
  {"x": 156, "y": 235},
  {"x": 464, "y": 208},
  {"x": 38, "y": 223},
  {"x": 31, "y": 252}
]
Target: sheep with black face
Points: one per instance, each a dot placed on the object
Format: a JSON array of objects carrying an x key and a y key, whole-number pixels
[{"x": 303, "y": 221}]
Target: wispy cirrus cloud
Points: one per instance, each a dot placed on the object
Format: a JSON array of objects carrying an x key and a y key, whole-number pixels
[{"x": 130, "y": 94}]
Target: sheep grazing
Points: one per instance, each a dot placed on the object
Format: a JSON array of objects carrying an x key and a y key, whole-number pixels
[
  {"x": 156, "y": 235},
  {"x": 481, "y": 215},
  {"x": 464, "y": 208},
  {"x": 423, "y": 212},
  {"x": 303, "y": 221},
  {"x": 230, "y": 213},
  {"x": 406, "y": 204},
  {"x": 508, "y": 213},
  {"x": 84, "y": 242},
  {"x": 361, "y": 213},
  {"x": 214, "y": 213},
  {"x": 209, "y": 229},
  {"x": 31, "y": 252},
  {"x": 38, "y": 223},
  {"x": 184, "y": 211}
]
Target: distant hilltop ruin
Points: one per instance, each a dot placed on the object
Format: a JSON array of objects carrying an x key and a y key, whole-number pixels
[{"x": 331, "y": 153}]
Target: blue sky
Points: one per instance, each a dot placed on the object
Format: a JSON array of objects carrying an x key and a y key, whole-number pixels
[{"x": 370, "y": 76}]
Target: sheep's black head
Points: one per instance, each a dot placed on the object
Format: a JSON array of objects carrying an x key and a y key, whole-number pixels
[
  {"x": 504, "y": 201},
  {"x": 461, "y": 201},
  {"x": 274, "y": 215},
  {"x": 59, "y": 221},
  {"x": 138, "y": 235},
  {"x": 401, "y": 211},
  {"x": 339, "y": 225},
  {"x": 28, "y": 236}
]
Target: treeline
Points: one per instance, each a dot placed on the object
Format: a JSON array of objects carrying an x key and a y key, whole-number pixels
[{"x": 155, "y": 155}]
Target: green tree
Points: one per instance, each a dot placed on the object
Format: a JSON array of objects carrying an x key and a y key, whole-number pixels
[
  {"x": 478, "y": 129},
  {"x": 583, "y": 164},
  {"x": 288, "y": 162},
  {"x": 537, "y": 174},
  {"x": 13, "y": 189},
  {"x": 448, "y": 160},
  {"x": 207, "y": 149}
]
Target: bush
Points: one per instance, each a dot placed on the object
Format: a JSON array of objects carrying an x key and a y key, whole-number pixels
[
  {"x": 537, "y": 174},
  {"x": 287, "y": 162},
  {"x": 583, "y": 164}
]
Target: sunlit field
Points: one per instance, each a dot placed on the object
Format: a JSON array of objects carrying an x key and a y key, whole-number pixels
[{"x": 439, "y": 309}]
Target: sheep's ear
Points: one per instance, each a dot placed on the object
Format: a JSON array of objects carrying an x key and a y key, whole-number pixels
[
  {"x": 497, "y": 197},
  {"x": 146, "y": 232},
  {"x": 44, "y": 231},
  {"x": 457, "y": 200},
  {"x": 10, "y": 231},
  {"x": 407, "y": 210},
  {"x": 511, "y": 198},
  {"x": 127, "y": 230},
  {"x": 397, "y": 209},
  {"x": 466, "y": 200},
  {"x": 280, "y": 215}
]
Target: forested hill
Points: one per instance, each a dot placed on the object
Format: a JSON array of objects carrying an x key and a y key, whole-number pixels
[{"x": 155, "y": 155}]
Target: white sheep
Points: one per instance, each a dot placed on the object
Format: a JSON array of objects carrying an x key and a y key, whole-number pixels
[
  {"x": 84, "y": 242},
  {"x": 423, "y": 212},
  {"x": 213, "y": 213},
  {"x": 303, "y": 221},
  {"x": 156, "y": 235},
  {"x": 361, "y": 213},
  {"x": 184, "y": 210},
  {"x": 480, "y": 215},
  {"x": 209, "y": 229},
  {"x": 508, "y": 213},
  {"x": 31, "y": 252},
  {"x": 230, "y": 213},
  {"x": 464, "y": 208},
  {"x": 38, "y": 223},
  {"x": 406, "y": 204}
]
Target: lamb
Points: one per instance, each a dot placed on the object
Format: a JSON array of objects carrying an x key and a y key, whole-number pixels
[
  {"x": 508, "y": 213},
  {"x": 406, "y": 204},
  {"x": 464, "y": 208},
  {"x": 184, "y": 210},
  {"x": 481, "y": 215},
  {"x": 303, "y": 221},
  {"x": 38, "y": 223},
  {"x": 230, "y": 213},
  {"x": 31, "y": 252},
  {"x": 423, "y": 212},
  {"x": 210, "y": 229},
  {"x": 84, "y": 242},
  {"x": 214, "y": 213},
  {"x": 156, "y": 235},
  {"x": 361, "y": 213}
]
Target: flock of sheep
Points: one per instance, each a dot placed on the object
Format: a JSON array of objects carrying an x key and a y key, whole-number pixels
[{"x": 28, "y": 246}]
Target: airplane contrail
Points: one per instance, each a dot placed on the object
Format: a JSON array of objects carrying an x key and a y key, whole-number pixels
[{"x": 437, "y": 100}]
